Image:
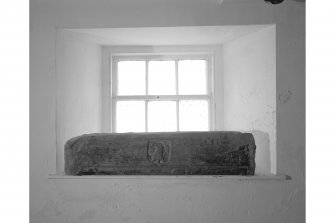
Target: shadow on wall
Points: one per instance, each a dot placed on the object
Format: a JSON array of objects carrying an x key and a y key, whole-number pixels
[{"x": 263, "y": 162}]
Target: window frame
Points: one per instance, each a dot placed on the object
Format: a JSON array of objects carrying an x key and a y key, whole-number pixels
[{"x": 113, "y": 54}]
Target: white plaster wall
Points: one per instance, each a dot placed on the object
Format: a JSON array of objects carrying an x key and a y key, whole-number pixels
[
  {"x": 78, "y": 75},
  {"x": 249, "y": 84},
  {"x": 161, "y": 200}
]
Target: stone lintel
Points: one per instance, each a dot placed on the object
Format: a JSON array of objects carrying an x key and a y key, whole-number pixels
[{"x": 177, "y": 153}]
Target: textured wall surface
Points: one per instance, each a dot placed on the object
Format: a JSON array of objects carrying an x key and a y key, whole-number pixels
[
  {"x": 249, "y": 85},
  {"x": 167, "y": 200}
]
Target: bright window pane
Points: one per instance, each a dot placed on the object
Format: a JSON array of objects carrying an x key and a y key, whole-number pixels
[
  {"x": 193, "y": 115},
  {"x": 162, "y": 116},
  {"x": 192, "y": 77},
  {"x": 130, "y": 116},
  {"x": 161, "y": 78},
  {"x": 131, "y": 78}
]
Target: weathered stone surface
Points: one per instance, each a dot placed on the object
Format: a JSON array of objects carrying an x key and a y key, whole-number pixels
[{"x": 182, "y": 153}]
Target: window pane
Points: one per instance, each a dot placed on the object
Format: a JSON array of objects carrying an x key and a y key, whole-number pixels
[
  {"x": 193, "y": 115},
  {"x": 192, "y": 77},
  {"x": 161, "y": 78},
  {"x": 130, "y": 116},
  {"x": 131, "y": 78},
  {"x": 162, "y": 116}
]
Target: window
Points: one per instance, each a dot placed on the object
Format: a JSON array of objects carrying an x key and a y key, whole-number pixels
[{"x": 161, "y": 93}]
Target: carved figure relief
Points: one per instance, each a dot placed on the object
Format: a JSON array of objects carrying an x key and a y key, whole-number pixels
[{"x": 159, "y": 152}]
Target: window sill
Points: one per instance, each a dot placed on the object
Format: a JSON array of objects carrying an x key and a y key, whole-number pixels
[{"x": 271, "y": 177}]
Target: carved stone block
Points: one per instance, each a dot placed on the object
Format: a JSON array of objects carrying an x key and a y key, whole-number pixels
[{"x": 182, "y": 153}]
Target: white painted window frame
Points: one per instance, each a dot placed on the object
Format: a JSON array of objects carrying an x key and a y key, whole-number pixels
[{"x": 113, "y": 54}]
